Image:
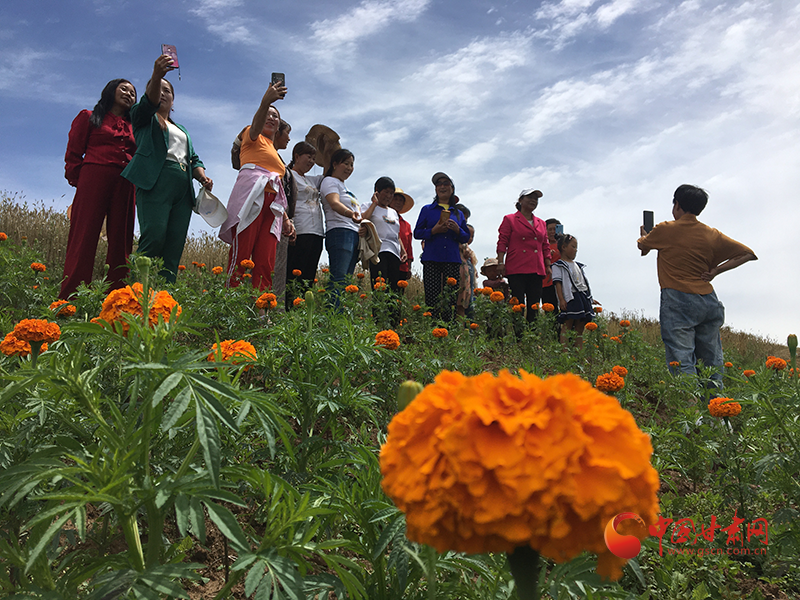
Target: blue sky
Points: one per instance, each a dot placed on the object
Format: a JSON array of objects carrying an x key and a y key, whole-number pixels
[{"x": 605, "y": 105}]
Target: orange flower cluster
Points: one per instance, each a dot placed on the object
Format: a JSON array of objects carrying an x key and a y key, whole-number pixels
[
  {"x": 535, "y": 306},
  {"x": 363, "y": 296},
  {"x": 387, "y": 339},
  {"x": 616, "y": 338},
  {"x": 246, "y": 276},
  {"x": 488, "y": 464},
  {"x": 129, "y": 300},
  {"x": 379, "y": 285},
  {"x": 487, "y": 291},
  {"x": 66, "y": 310},
  {"x": 13, "y": 346},
  {"x": 3, "y": 237},
  {"x": 728, "y": 364},
  {"x": 590, "y": 326},
  {"x": 325, "y": 270},
  {"x": 37, "y": 330},
  {"x": 297, "y": 301},
  {"x": 624, "y": 323},
  {"x": 620, "y": 370},
  {"x": 217, "y": 270},
  {"x": 724, "y": 407},
  {"x": 598, "y": 309},
  {"x": 297, "y": 272},
  {"x": 402, "y": 284},
  {"x": 496, "y": 296},
  {"x": 518, "y": 308},
  {"x": 452, "y": 281},
  {"x": 427, "y": 314},
  {"x": 473, "y": 326},
  {"x": 38, "y": 267},
  {"x": 183, "y": 267},
  {"x": 513, "y": 301},
  {"x": 674, "y": 363},
  {"x": 234, "y": 352},
  {"x": 547, "y": 307},
  {"x": 609, "y": 382},
  {"x": 360, "y": 275},
  {"x": 416, "y": 307},
  {"x": 440, "y": 332},
  {"x": 748, "y": 372},
  {"x": 351, "y": 289},
  {"x": 267, "y": 300},
  {"x": 247, "y": 264},
  {"x": 778, "y": 364}
]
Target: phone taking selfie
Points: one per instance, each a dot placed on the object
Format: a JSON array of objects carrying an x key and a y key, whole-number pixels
[
  {"x": 559, "y": 229},
  {"x": 278, "y": 78},
  {"x": 172, "y": 52},
  {"x": 647, "y": 218}
]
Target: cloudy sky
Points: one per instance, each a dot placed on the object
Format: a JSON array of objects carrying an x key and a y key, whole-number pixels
[{"x": 605, "y": 105}]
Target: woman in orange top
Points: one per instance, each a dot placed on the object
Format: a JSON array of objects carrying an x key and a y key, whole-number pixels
[{"x": 257, "y": 206}]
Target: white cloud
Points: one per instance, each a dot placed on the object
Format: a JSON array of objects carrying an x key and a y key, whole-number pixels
[
  {"x": 222, "y": 20},
  {"x": 567, "y": 18}
]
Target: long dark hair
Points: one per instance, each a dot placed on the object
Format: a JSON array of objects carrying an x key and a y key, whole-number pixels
[
  {"x": 341, "y": 155},
  {"x": 299, "y": 149},
  {"x": 106, "y": 102}
]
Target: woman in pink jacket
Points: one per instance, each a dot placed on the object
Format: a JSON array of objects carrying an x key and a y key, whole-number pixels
[{"x": 523, "y": 251}]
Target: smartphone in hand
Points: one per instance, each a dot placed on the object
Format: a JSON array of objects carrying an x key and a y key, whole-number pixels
[
  {"x": 172, "y": 52},
  {"x": 278, "y": 78},
  {"x": 559, "y": 229},
  {"x": 647, "y": 219}
]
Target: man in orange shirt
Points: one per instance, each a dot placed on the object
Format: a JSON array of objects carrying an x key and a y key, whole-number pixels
[{"x": 690, "y": 255}]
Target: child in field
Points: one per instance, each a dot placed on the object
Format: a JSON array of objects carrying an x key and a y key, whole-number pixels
[
  {"x": 572, "y": 288},
  {"x": 494, "y": 280}
]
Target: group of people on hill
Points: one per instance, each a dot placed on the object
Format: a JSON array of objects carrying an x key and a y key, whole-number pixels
[{"x": 128, "y": 157}]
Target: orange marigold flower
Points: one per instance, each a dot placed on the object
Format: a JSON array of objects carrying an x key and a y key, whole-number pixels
[
  {"x": 363, "y": 296},
  {"x": 381, "y": 279},
  {"x": 609, "y": 382},
  {"x": 477, "y": 291},
  {"x": 616, "y": 338},
  {"x": 620, "y": 370},
  {"x": 247, "y": 264},
  {"x": 598, "y": 309},
  {"x": 452, "y": 281},
  {"x": 547, "y": 307},
  {"x": 778, "y": 364},
  {"x": 39, "y": 267},
  {"x": 325, "y": 270},
  {"x": 518, "y": 308},
  {"x": 496, "y": 297},
  {"x": 3, "y": 237},
  {"x": 183, "y": 267},
  {"x": 129, "y": 300},
  {"x": 265, "y": 300},
  {"x": 37, "y": 330},
  {"x": 217, "y": 270},
  {"x": 535, "y": 306},
  {"x": 379, "y": 286},
  {"x": 298, "y": 301},
  {"x": 194, "y": 264},
  {"x": 480, "y": 464},
  {"x": 351, "y": 289},
  {"x": 13, "y": 346},
  {"x": 234, "y": 352},
  {"x": 513, "y": 301},
  {"x": 360, "y": 275},
  {"x": 624, "y": 323},
  {"x": 728, "y": 364},
  {"x": 427, "y": 314},
  {"x": 321, "y": 291},
  {"x": 473, "y": 326},
  {"x": 487, "y": 291},
  {"x": 387, "y": 339},
  {"x": 246, "y": 276},
  {"x": 440, "y": 332},
  {"x": 590, "y": 326},
  {"x": 674, "y": 363},
  {"x": 273, "y": 304},
  {"x": 416, "y": 307},
  {"x": 402, "y": 284},
  {"x": 724, "y": 407},
  {"x": 605, "y": 335},
  {"x": 66, "y": 310},
  {"x": 747, "y": 372},
  {"x": 297, "y": 272}
]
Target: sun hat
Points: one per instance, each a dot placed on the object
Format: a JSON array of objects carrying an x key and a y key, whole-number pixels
[
  {"x": 530, "y": 191},
  {"x": 408, "y": 203},
  {"x": 437, "y": 176},
  {"x": 210, "y": 208},
  {"x": 489, "y": 262},
  {"x": 326, "y": 141}
]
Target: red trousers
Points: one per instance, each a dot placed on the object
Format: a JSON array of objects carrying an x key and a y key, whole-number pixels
[
  {"x": 102, "y": 193},
  {"x": 259, "y": 245}
]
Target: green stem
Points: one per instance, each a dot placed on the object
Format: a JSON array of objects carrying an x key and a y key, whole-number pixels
[
  {"x": 524, "y": 562},
  {"x": 131, "y": 530},
  {"x": 782, "y": 427},
  {"x": 184, "y": 468},
  {"x": 155, "y": 530}
]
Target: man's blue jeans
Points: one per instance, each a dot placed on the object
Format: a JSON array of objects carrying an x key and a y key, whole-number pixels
[
  {"x": 342, "y": 246},
  {"x": 690, "y": 329}
]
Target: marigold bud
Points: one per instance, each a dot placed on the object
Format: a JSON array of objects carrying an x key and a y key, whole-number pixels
[{"x": 407, "y": 391}]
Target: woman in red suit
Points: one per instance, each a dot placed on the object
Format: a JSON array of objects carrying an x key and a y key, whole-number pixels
[{"x": 100, "y": 145}]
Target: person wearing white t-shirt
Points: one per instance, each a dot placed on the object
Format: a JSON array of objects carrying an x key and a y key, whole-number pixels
[
  {"x": 387, "y": 225},
  {"x": 303, "y": 255},
  {"x": 342, "y": 220}
]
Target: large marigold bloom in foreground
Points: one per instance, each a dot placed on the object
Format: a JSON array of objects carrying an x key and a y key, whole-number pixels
[
  {"x": 773, "y": 362},
  {"x": 489, "y": 464},
  {"x": 129, "y": 300},
  {"x": 388, "y": 339},
  {"x": 609, "y": 382},
  {"x": 724, "y": 407},
  {"x": 234, "y": 352},
  {"x": 12, "y": 346},
  {"x": 37, "y": 330}
]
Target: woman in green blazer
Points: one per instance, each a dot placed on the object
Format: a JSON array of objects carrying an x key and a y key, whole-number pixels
[{"x": 162, "y": 170}]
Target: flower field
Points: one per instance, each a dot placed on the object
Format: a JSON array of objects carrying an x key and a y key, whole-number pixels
[{"x": 194, "y": 441}]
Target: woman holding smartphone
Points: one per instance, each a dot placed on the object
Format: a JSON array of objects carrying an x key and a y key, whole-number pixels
[
  {"x": 442, "y": 228},
  {"x": 258, "y": 195},
  {"x": 162, "y": 170},
  {"x": 100, "y": 146}
]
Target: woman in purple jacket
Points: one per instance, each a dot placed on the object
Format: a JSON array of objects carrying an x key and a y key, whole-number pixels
[
  {"x": 523, "y": 251},
  {"x": 441, "y": 227}
]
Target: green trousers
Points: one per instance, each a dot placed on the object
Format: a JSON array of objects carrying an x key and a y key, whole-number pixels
[{"x": 164, "y": 213}]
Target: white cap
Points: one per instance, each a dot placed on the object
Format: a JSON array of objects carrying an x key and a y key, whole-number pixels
[
  {"x": 210, "y": 208},
  {"x": 530, "y": 191}
]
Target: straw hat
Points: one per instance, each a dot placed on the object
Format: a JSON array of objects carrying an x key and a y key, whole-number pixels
[
  {"x": 409, "y": 201},
  {"x": 326, "y": 141}
]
